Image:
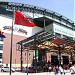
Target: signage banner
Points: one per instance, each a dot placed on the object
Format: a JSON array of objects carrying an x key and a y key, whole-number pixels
[{"x": 63, "y": 30}]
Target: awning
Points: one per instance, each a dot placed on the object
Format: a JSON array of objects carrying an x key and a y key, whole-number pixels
[{"x": 59, "y": 41}]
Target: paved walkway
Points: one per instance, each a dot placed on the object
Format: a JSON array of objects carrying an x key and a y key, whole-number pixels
[
  {"x": 67, "y": 72},
  {"x": 19, "y": 73}
]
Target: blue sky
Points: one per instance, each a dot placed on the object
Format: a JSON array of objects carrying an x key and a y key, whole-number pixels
[{"x": 63, "y": 7}]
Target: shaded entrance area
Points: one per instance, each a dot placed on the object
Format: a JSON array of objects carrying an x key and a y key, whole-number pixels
[
  {"x": 54, "y": 60},
  {"x": 37, "y": 42},
  {"x": 41, "y": 55},
  {"x": 45, "y": 42},
  {"x": 65, "y": 60},
  {"x": 60, "y": 47}
]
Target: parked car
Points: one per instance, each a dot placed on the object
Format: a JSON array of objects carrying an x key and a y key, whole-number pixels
[{"x": 7, "y": 69}]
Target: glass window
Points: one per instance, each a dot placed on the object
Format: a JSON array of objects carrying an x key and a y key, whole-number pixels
[
  {"x": 1, "y": 46},
  {"x": 29, "y": 54},
  {"x": 0, "y": 55},
  {"x": 25, "y": 54}
]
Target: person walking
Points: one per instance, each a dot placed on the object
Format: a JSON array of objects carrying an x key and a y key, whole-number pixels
[
  {"x": 72, "y": 69},
  {"x": 60, "y": 70}
]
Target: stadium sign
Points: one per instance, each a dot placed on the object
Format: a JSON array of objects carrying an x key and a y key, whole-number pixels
[
  {"x": 15, "y": 29},
  {"x": 63, "y": 30}
]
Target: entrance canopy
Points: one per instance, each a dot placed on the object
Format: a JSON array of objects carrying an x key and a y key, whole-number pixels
[
  {"x": 43, "y": 40},
  {"x": 38, "y": 40}
]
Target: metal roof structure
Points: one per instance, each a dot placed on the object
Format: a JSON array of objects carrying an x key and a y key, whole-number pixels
[
  {"x": 36, "y": 39},
  {"x": 35, "y": 9},
  {"x": 43, "y": 40}
]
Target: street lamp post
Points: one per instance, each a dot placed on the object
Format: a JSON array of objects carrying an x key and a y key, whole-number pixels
[
  {"x": 35, "y": 54},
  {"x": 59, "y": 56},
  {"x": 21, "y": 58},
  {"x": 71, "y": 57},
  {"x": 27, "y": 61}
]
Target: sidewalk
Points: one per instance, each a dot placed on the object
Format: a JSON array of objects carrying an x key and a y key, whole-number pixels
[
  {"x": 67, "y": 72},
  {"x": 20, "y": 73},
  {"x": 43, "y": 73}
]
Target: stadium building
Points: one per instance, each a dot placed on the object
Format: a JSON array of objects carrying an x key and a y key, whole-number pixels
[{"x": 48, "y": 23}]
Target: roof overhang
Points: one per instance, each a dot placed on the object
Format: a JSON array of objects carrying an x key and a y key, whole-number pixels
[{"x": 41, "y": 20}]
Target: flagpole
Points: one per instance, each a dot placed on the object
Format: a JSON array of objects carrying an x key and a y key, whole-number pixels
[
  {"x": 11, "y": 44},
  {"x": 35, "y": 45},
  {"x": 44, "y": 20}
]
